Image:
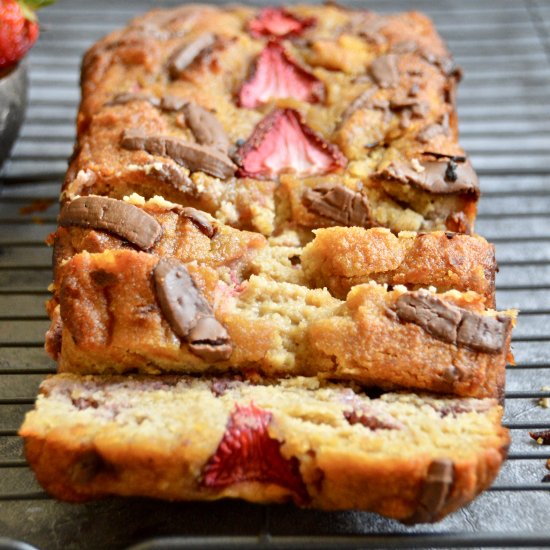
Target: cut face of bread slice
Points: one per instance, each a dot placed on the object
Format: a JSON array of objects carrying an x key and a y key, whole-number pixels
[
  {"x": 117, "y": 313},
  {"x": 410, "y": 457},
  {"x": 367, "y": 99}
]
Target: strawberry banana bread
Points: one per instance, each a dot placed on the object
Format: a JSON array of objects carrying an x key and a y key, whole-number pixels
[
  {"x": 208, "y": 296},
  {"x": 276, "y": 120},
  {"x": 264, "y": 202},
  {"x": 410, "y": 457}
]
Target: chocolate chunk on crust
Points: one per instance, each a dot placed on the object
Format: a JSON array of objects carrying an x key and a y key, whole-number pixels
[
  {"x": 191, "y": 155},
  {"x": 118, "y": 217},
  {"x": 431, "y": 313},
  {"x": 188, "y": 313},
  {"x": 485, "y": 334},
  {"x": 385, "y": 72},
  {"x": 340, "y": 204},
  {"x": 435, "y": 491},
  {"x": 199, "y": 220},
  {"x": 184, "y": 56},
  {"x": 206, "y": 127},
  {"x": 127, "y": 97},
  {"x": 453, "y": 324},
  {"x": 435, "y": 176}
]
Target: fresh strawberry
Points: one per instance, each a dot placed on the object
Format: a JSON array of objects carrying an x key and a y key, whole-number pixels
[
  {"x": 278, "y": 22},
  {"x": 282, "y": 142},
  {"x": 18, "y": 29},
  {"x": 276, "y": 76},
  {"x": 248, "y": 453}
]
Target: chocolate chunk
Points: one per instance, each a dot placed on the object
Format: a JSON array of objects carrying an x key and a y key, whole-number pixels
[
  {"x": 542, "y": 437},
  {"x": 453, "y": 324},
  {"x": 199, "y": 219},
  {"x": 191, "y": 155},
  {"x": 340, "y": 204},
  {"x": 185, "y": 55},
  {"x": 385, "y": 71},
  {"x": 188, "y": 313},
  {"x": 432, "y": 177},
  {"x": 206, "y": 127},
  {"x": 482, "y": 333},
  {"x": 405, "y": 46},
  {"x": 172, "y": 103},
  {"x": 209, "y": 340},
  {"x": 127, "y": 97},
  {"x": 103, "y": 278},
  {"x": 358, "y": 103},
  {"x": 121, "y": 218},
  {"x": 434, "y": 315},
  {"x": 369, "y": 421},
  {"x": 435, "y": 491}
]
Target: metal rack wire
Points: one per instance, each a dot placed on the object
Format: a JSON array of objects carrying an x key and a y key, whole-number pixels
[{"x": 504, "y": 109}]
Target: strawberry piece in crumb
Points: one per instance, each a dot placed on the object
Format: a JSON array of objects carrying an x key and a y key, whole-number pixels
[
  {"x": 248, "y": 453},
  {"x": 278, "y": 22},
  {"x": 277, "y": 76},
  {"x": 282, "y": 142}
]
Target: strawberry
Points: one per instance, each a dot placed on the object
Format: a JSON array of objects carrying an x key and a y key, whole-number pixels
[
  {"x": 248, "y": 453},
  {"x": 282, "y": 142},
  {"x": 18, "y": 29},
  {"x": 276, "y": 76},
  {"x": 278, "y": 22}
]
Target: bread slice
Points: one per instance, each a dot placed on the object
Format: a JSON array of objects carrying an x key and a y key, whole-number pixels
[
  {"x": 123, "y": 310},
  {"x": 411, "y": 457}
]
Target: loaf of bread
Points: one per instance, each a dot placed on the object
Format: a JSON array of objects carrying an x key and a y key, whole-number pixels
[
  {"x": 410, "y": 457},
  {"x": 276, "y": 120},
  {"x": 267, "y": 223}
]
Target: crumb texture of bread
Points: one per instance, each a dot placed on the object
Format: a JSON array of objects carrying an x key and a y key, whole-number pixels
[{"x": 320, "y": 445}]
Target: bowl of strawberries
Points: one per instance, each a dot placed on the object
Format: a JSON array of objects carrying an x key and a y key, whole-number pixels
[{"x": 19, "y": 30}]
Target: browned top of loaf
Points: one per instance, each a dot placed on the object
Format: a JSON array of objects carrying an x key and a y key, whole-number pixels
[{"x": 387, "y": 106}]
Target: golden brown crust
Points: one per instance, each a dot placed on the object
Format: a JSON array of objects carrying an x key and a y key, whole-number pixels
[
  {"x": 97, "y": 450},
  {"x": 340, "y": 258}
]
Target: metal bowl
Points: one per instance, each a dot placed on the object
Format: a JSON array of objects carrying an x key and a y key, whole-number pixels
[{"x": 13, "y": 103}]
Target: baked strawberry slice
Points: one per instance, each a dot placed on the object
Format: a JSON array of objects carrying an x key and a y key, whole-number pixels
[
  {"x": 282, "y": 142},
  {"x": 248, "y": 453},
  {"x": 276, "y": 76},
  {"x": 278, "y": 22}
]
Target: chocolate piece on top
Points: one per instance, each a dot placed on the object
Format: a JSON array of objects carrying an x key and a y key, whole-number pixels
[
  {"x": 185, "y": 55},
  {"x": 191, "y": 155},
  {"x": 340, "y": 204},
  {"x": 118, "y": 217},
  {"x": 433, "y": 176},
  {"x": 385, "y": 72},
  {"x": 206, "y": 127}
]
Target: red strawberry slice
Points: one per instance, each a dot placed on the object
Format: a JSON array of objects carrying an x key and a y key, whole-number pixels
[
  {"x": 282, "y": 142},
  {"x": 248, "y": 453},
  {"x": 277, "y": 76},
  {"x": 278, "y": 22}
]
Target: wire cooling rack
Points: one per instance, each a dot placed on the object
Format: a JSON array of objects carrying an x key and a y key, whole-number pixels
[{"x": 504, "y": 110}]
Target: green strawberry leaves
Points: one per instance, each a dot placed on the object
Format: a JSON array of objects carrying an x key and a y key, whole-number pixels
[{"x": 28, "y": 7}]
